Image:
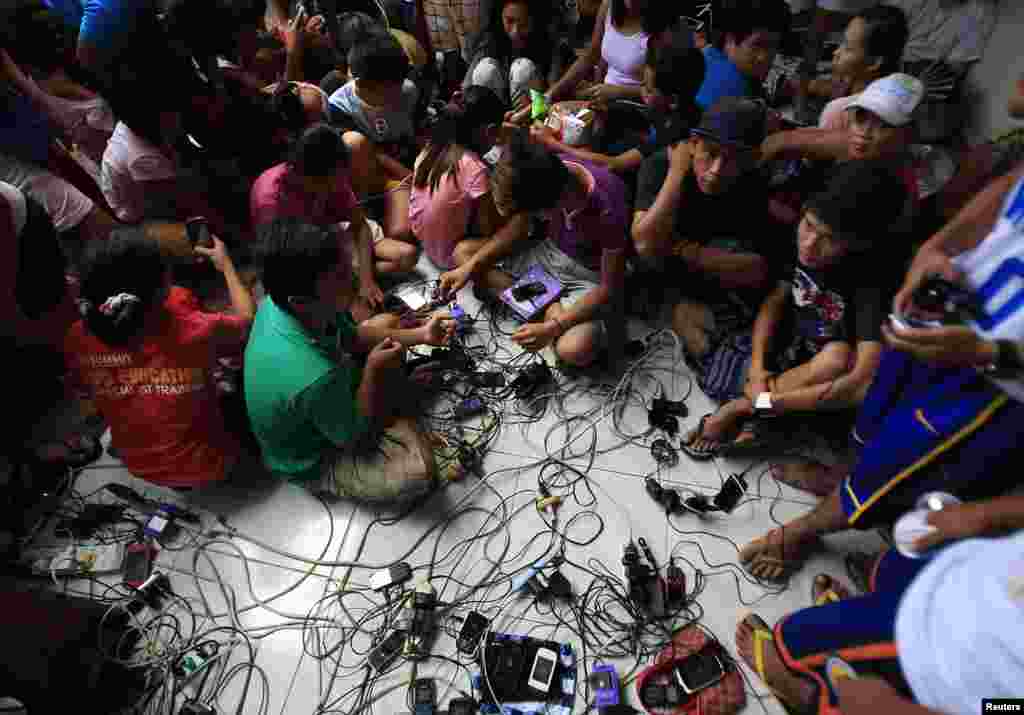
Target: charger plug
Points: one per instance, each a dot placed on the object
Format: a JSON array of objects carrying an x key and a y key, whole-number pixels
[{"x": 699, "y": 503}]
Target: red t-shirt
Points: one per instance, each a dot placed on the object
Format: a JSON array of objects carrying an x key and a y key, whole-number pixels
[
  {"x": 159, "y": 397},
  {"x": 273, "y": 197}
]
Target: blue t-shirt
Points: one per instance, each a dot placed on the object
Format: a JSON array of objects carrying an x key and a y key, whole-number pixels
[
  {"x": 721, "y": 79},
  {"x": 101, "y": 23}
]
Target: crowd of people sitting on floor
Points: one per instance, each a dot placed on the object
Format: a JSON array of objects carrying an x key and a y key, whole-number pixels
[{"x": 149, "y": 145}]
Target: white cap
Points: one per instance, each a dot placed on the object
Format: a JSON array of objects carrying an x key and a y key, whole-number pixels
[{"x": 893, "y": 98}]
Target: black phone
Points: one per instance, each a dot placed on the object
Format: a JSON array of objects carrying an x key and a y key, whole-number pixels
[
  {"x": 463, "y": 706},
  {"x": 734, "y": 488},
  {"x": 529, "y": 290},
  {"x": 472, "y": 631},
  {"x": 937, "y": 295},
  {"x": 198, "y": 230},
  {"x": 394, "y": 304},
  {"x": 384, "y": 654},
  {"x": 700, "y": 670}
]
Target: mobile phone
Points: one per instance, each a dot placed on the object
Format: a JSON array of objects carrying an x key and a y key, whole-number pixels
[
  {"x": 394, "y": 304},
  {"x": 463, "y": 706},
  {"x": 529, "y": 290},
  {"x": 390, "y": 576},
  {"x": 699, "y": 671},
  {"x": 198, "y": 230},
  {"x": 138, "y": 563},
  {"x": 424, "y": 696},
  {"x": 543, "y": 670},
  {"x": 385, "y": 653},
  {"x": 906, "y": 322},
  {"x": 473, "y": 629},
  {"x": 734, "y": 488},
  {"x": 605, "y": 682}
]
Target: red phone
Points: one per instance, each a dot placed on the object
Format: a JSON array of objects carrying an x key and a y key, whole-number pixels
[{"x": 138, "y": 563}]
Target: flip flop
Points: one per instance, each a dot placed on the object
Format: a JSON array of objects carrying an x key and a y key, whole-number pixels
[
  {"x": 831, "y": 590},
  {"x": 763, "y": 634},
  {"x": 760, "y": 441},
  {"x": 773, "y": 569},
  {"x": 696, "y": 435}
]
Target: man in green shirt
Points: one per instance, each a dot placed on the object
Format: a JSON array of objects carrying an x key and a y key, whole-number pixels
[{"x": 312, "y": 407}]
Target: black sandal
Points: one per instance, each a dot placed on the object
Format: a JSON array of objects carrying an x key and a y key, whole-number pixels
[{"x": 761, "y": 439}]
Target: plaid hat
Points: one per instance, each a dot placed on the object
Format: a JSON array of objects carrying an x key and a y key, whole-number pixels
[
  {"x": 893, "y": 98},
  {"x": 734, "y": 120}
]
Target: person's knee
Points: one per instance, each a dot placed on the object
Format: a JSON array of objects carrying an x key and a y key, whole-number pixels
[
  {"x": 834, "y": 360},
  {"x": 387, "y": 321},
  {"x": 647, "y": 256},
  {"x": 579, "y": 349},
  {"x": 488, "y": 73},
  {"x": 408, "y": 255},
  {"x": 523, "y": 75},
  {"x": 464, "y": 252},
  {"x": 693, "y": 322}
]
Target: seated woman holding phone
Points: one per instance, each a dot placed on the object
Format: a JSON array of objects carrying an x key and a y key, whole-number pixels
[{"x": 145, "y": 351}]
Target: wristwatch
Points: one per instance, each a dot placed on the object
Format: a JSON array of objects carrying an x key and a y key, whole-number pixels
[
  {"x": 763, "y": 405},
  {"x": 1008, "y": 362}
]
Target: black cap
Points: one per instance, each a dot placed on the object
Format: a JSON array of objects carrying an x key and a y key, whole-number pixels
[{"x": 734, "y": 120}]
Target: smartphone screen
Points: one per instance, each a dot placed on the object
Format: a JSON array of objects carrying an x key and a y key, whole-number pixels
[
  {"x": 198, "y": 230},
  {"x": 699, "y": 671},
  {"x": 136, "y": 564}
]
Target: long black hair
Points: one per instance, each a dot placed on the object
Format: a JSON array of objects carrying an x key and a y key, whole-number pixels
[
  {"x": 885, "y": 36},
  {"x": 494, "y": 42},
  {"x": 528, "y": 177},
  {"x": 656, "y": 15},
  {"x": 319, "y": 151},
  {"x": 124, "y": 277},
  {"x": 456, "y": 131}
]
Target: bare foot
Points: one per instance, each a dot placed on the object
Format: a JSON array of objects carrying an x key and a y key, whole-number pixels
[
  {"x": 779, "y": 552},
  {"x": 792, "y": 689},
  {"x": 811, "y": 476},
  {"x": 828, "y": 590},
  {"x": 714, "y": 430}
]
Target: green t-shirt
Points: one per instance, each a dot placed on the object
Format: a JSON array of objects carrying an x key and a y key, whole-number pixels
[{"x": 300, "y": 391}]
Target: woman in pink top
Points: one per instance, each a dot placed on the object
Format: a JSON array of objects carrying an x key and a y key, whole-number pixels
[
  {"x": 621, "y": 33},
  {"x": 451, "y": 191}
]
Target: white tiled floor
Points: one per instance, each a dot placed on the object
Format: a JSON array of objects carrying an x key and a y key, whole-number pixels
[{"x": 271, "y": 589}]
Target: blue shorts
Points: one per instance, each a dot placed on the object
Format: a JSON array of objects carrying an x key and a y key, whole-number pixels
[
  {"x": 858, "y": 630},
  {"x": 930, "y": 429}
]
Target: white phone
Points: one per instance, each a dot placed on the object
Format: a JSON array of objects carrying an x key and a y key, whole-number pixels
[{"x": 543, "y": 670}]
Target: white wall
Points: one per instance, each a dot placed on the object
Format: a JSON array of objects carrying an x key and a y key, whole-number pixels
[{"x": 994, "y": 78}]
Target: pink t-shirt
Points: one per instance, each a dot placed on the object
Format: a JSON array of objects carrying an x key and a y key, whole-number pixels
[
  {"x": 834, "y": 115},
  {"x": 272, "y": 197},
  {"x": 440, "y": 219}
]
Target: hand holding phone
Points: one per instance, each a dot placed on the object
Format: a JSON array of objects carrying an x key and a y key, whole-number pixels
[{"x": 198, "y": 231}]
